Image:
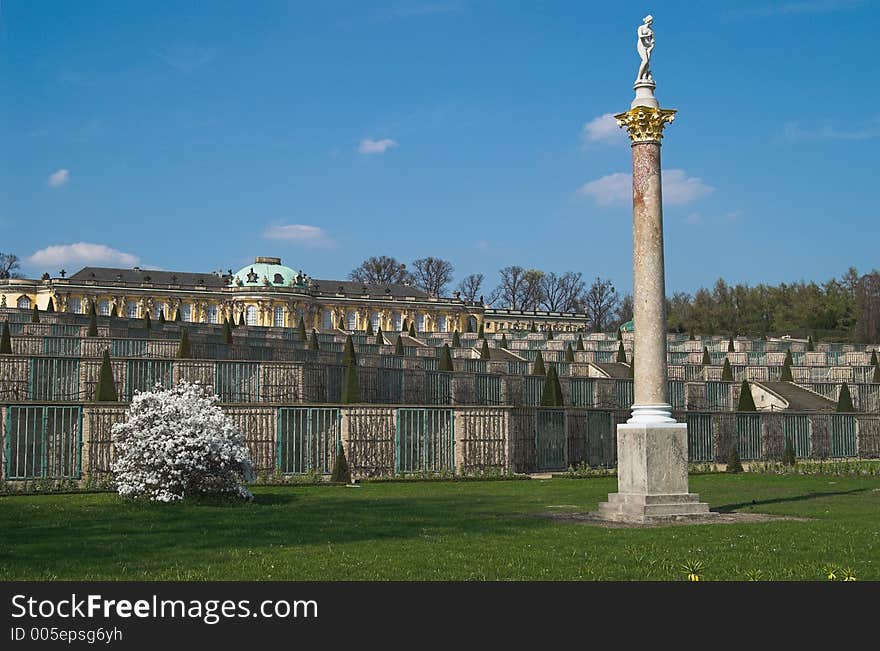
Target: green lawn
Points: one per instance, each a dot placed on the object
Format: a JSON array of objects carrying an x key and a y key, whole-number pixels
[{"x": 440, "y": 530}]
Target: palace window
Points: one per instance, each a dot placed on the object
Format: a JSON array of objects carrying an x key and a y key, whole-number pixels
[
  {"x": 327, "y": 320},
  {"x": 250, "y": 315},
  {"x": 374, "y": 319},
  {"x": 185, "y": 312},
  {"x": 104, "y": 308},
  {"x": 160, "y": 308},
  {"x": 441, "y": 324},
  {"x": 397, "y": 321},
  {"x": 420, "y": 323},
  {"x": 213, "y": 314},
  {"x": 75, "y": 306},
  {"x": 131, "y": 310},
  {"x": 278, "y": 316},
  {"x": 351, "y": 320},
  {"x": 24, "y": 303}
]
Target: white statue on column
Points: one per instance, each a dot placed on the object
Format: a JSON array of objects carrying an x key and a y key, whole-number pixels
[{"x": 645, "y": 46}]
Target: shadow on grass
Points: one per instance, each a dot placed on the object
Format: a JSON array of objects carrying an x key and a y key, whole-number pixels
[{"x": 730, "y": 508}]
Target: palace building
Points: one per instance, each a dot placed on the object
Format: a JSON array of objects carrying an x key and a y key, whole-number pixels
[{"x": 268, "y": 293}]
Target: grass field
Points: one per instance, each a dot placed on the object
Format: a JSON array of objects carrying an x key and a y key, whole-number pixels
[{"x": 441, "y": 531}]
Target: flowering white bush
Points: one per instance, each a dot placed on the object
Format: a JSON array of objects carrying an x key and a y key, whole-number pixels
[{"x": 178, "y": 443}]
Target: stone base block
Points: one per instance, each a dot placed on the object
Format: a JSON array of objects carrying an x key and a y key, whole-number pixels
[{"x": 622, "y": 507}]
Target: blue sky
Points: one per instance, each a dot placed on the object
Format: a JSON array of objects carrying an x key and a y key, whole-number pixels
[{"x": 195, "y": 136}]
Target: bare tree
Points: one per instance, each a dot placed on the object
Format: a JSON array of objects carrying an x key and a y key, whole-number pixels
[
  {"x": 561, "y": 293},
  {"x": 868, "y": 308},
  {"x": 380, "y": 270},
  {"x": 625, "y": 311},
  {"x": 600, "y": 303},
  {"x": 432, "y": 275},
  {"x": 470, "y": 287},
  {"x": 9, "y": 266},
  {"x": 519, "y": 289}
]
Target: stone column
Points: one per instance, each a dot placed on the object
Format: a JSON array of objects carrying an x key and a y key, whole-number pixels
[{"x": 652, "y": 449}]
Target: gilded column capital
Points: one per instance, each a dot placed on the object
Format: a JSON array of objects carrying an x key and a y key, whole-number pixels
[{"x": 644, "y": 123}]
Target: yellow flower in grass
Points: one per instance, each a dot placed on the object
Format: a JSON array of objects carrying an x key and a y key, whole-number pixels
[
  {"x": 693, "y": 570},
  {"x": 831, "y": 571},
  {"x": 848, "y": 574}
]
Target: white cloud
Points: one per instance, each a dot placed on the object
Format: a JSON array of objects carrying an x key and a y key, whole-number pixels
[
  {"x": 81, "y": 254},
  {"x": 678, "y": 188},
  {"x": 368, "y": 146},
  {"x": 301, "y": 233},
  {"x": 59, "y": 178},
  {"x": 602, "y": 129},
  {"x": 794, "y": 132}
]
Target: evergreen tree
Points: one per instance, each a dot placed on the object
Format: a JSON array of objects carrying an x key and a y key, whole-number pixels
[
  {"x": 380, "y": 340},
  {"x": 580, "y": 343},
  {"x": 370, "y": 332},
  {"x": 551, "y": 396},
  {"x": 351, "y": 389},
  {"x": 481, "y": 334},
  {"x": 93, "y": 325},
  {"x": 177, "y": 316},
  {"x": 619, "y": 334},
  {"x": 539, "y": 369},
  {"x": 404, "y": 327},
  {"x": 348, "y": 354},
  {"x": 35, "y": 315},
  {"x": 844, "y": 400},
  {"x": 503, "y": 343},
  {"x": 789, "y": 359},
  {"x": 147, "y": 323},
  {"x": 227, "y": 332},
  {"x": 412, "y": 329},
  {"x": 730, "y": 347},
  {"x": 105, "y": 390},
  {"x": 621, "y": 353},
  {"x": 5, "y": 340},
  {"x": 342, "y": 323},
  {"x": 115, "y": 312},
  {"x": 707, "y": 359},
  {"x": 456, "y": 340},
  {"x": 876, "y": 377},
  {"x": 788, "y": 456},
  {"x": 50, "y": 307},
  {"x": 445, "y": 363},
  {"x": 341, "y": 473},
  {"x": 786, "y": 375},
  {"x": 398, "y": 346},
  {"x": 241, "y": 320},
  {"x": 874, "y": 361},
  {"x": 484, "y": 352},
  {"x": 313, "y": 342},
  {"x": 726, "y": 371},
  {"x": 569, "y": 353},
  {"x": 810, "y": 346},
  {"x": 301, "y": 331},
  {"x": 162, "y": 315},
  {"x": 534, "y": 327},
  {"x": 746, "y": 401},
  {"x": 549, "y": 334},
  {"x": 733, "y": 462},
  {"x": 184, "y": 349}
]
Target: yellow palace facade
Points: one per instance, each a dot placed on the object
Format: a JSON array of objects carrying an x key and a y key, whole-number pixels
[{"x": 267, "y": 293}]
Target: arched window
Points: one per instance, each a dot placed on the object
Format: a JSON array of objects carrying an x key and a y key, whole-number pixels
[
  {"x": 250, "y": 315},
  {"x": 472, "y": 324},
  {"x": 420, "y": 323},
  {"x": 212, "y": 314},
  {"x": 104, "y": 308},
  {"x": 351, "y": 320},
  {"x": 160, "y": 308},
  {"x": 24, "y": 303},
  {"x": 441, "y": 323},
  {"x": 75, "y": 306},
  {"x": 278, "y": 315},
  {"x": 396, "y": 321},
  {"x": 278, "y": 279},
  {"x": 327, "y": 320},
  {"x": 299, "y": 314},
  {"x": 131, "y": 310},
  {"x": 185, "y": 312}
]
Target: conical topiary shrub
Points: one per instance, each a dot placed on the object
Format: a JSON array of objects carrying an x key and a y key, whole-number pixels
[
  {"x": 484, "y": 351},
  {"x": 733, "y": 461},
  {"x": 178, "y": 318},
  {"x": 227, "y": 332},
  {"x": 874, "y": 358},
  {"x": 456, "y": 340},
  {"x": 162, "y": 316},
  {"x": 404, "y": 326},
  {"x": 380, "y": 340},
  {"x": 789, "y": 359},
  {"x": 148, "y": 325},
  {"x": 184, "y": 349},
  {"x": 351, "y": 389},
  {"x": 35, "y": 315},
  {"x": 115, "y": 312},
  {"x": 746, "y": 401},
  {"x": 93, "y": 325},
  {"x": 551, "y": 396},
  {"x": 707, "y": 359},
  {"x": 341, "y": 473},
  {"x": 788, "y": 456},
  {"x": 370, "y": 331},
  {"x": 619, "y": 334},
  {"x": 503, "y": 343},
  {"x": 876, "y": 377},
  {"x": 412, "y": 329},
  {"x": 810, "y": 346},
  {"x": 5, "y": 340},
  {"x": 538, "y": 368},
  {"x": 105, "y": 390},
  {"x": 341, "y": 325},
  {"x": 726, "y": 371},
  {"x": 481, "y": 333},
  {"x": 348, "y": 354},
  {"x": 241, "y": 319},
  {"x": 301, "y": 330},
  {"x": 445, "y": 363},
  {"x": 621, "y": 353},
  {"x": 786, "y": 375},
  {"x": 569, "y": 353},
  {"x": 580, "y": 343},
  {"x": 534, "y": 327},
  {"x": 313, "y": 341},
  {"x": 844, "y": 400},
  {"x": 50, "y": 306},
  {"x": 398, "y": 346},
  {"x": 730, "y": 347}
]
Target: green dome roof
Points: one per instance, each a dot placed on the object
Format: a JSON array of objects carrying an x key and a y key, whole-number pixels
[{"x": 263, "y": 270}]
